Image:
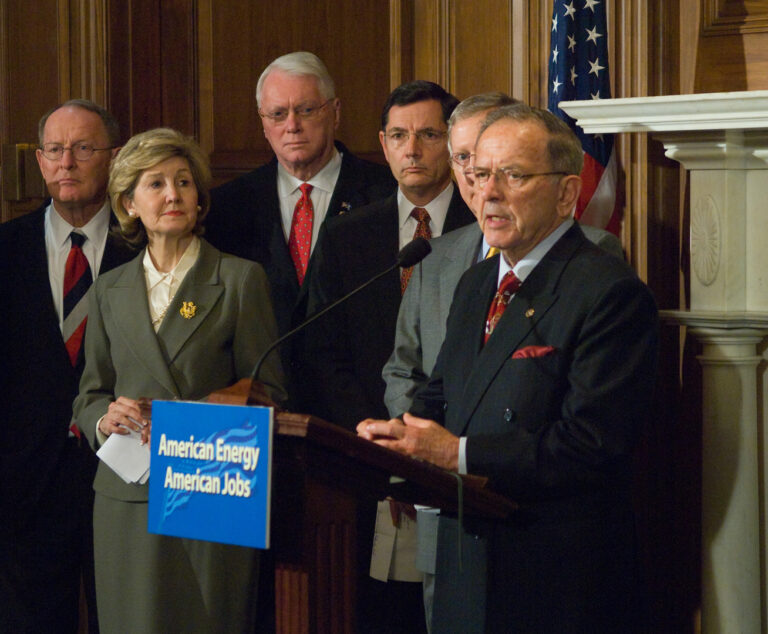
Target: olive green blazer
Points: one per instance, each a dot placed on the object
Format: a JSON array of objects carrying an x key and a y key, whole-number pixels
[{"x": 188, "y": 357}]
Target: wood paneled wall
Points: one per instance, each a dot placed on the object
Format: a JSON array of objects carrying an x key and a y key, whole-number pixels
[{"x": 193, "y": 65}]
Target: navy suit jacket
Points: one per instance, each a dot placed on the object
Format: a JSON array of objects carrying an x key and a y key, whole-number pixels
[
  {"x": 344, "y": 355},
  {"x": 245, "y": 220},
  {"x": 37, "y": 380},
  {"x": 554, "y": 431}
]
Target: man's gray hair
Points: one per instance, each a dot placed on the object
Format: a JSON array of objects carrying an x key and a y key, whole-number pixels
[
  {"x": 564, "y": 148},
  {"x": 300, "y": 63},
  {"x": 110, "y": 123},
  {"x": 476, "y": 104}
]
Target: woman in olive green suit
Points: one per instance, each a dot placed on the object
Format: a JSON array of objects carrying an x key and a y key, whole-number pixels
[{"x": 139, "y": 343}]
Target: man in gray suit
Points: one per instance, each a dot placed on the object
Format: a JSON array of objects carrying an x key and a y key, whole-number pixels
[
  {"x": 418, "y": 338},
  {"x": 426, "y": 302}
]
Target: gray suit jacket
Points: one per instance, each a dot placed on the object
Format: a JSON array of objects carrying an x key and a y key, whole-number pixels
[
  {"x": 426, "y": 303},
  {"x": 187, "y": 358}
]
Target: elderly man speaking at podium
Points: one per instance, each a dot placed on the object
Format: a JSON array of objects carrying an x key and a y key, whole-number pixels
[{"x": 542, "y": 385}]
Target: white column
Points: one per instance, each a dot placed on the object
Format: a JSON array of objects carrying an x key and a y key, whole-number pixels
[
  {"x": 722, "y": 138},
  {"x": 731, "y": 529}
]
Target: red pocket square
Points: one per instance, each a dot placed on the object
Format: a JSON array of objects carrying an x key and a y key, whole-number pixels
[{"x": 533, "y": 351}]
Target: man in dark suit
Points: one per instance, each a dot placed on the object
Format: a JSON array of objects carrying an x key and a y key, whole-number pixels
[
  {"x": 357, "y": 338},
  {"x": 46, "y": 473},
  {"x": 542, "y": 385},
  {"x": 345, "y": 354},
  {"x": 253, "y": 215}
]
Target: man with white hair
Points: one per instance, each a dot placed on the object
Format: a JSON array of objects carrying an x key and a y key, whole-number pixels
[{"x": 273, "y": 214}]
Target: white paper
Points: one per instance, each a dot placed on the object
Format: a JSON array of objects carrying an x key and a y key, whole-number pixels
[{"x": 126, "y": 457}]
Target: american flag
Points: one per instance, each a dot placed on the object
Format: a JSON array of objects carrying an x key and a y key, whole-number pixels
[{"x": 578, "y": 69}]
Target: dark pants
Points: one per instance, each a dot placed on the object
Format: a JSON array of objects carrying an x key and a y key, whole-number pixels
[{"x": 42, "y": 562}]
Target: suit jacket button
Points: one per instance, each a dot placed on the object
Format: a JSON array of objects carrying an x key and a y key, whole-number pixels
[
  {"x": 445, "y": 407},
  {"x": 508, "y": 415}
]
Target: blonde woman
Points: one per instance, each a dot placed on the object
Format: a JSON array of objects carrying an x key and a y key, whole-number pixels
[{"x": 139, "y": 343}]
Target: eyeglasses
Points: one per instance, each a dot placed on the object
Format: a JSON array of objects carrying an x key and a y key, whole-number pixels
[
  {"x": 81, "y": 151},
  {"x": 507, "y": 175},
  {"x": 305, "y": 113},
  {"x": 460, "y": 158},
  {"x": 428, "y": 136}
]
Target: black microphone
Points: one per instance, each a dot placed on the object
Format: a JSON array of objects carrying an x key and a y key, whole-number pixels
[{"x": 412, "y": 253}]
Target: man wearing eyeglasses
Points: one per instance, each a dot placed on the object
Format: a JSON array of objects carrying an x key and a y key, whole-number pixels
[
  {"x": 418, "y": 338},
  {"x": 46, "y": 473},
  {"x": 346, "y": 353},
  {"x": 273, "y": 214},
  {"x": 542, "y": 385}
]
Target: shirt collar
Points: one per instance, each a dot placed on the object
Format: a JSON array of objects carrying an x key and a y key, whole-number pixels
[
  {"x": 525, "y": 265},
  {"x": 94, "y": 229},
  {"x": 187, "y": 260},
  {"x": 325, "y": 179},
  {"x": 436, "y": 208}
]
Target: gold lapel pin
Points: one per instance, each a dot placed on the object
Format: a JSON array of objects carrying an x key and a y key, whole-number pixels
[
  {"x": 529, "y": 312},
  {"x": 188, "y": 310}
]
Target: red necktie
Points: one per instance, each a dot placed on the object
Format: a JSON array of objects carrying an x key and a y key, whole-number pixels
[
  {"x": 422, "y": 231},
  {"x": 508, "y": 287},
  {"x": 300, "y": 240},
  {"x": 77, "y": 281}
]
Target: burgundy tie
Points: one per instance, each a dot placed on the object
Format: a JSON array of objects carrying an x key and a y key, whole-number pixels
[
  {"x": 300, "y": 240},
  {"x": 508, "y": 287},
  {"x": 77, "y": 281},
  {"x": 422, "y": 231}
]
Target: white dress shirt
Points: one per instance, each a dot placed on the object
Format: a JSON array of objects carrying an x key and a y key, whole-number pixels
[
  {"x": 323, "y": 183},
  {"x": 437, "y": 209},
  {"x": 162, "y": 287},
  {"x": 58, "y": 245}
]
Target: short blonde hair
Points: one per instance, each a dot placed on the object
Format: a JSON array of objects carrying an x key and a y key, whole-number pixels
[{"x": 143, "y": 151}]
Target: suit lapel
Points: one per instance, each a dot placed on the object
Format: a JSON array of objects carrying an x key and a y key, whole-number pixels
[
  {"x": 35, "y": 273},
  {"x": 454, "y": 263},
  {"x": 345, "y": 194},
  {"x": 528, "y": 307},
  {"x": 202, "y": 288},
  {"x": 116, "y": 251},
  {"x": 458, "y": 214},
  {"x": 127, "y": 299}
]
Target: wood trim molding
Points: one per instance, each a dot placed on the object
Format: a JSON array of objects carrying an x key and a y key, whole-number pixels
[
  {"x": 63, "y": 53},
  {"x": 205, "y": 127},
  {"x": 520, "y": 51},
  {"x": 728, "y": 17},
  {"x": 401, "y": 29}
]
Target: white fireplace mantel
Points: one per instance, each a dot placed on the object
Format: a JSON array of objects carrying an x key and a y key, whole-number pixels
[
  {"x": 722, "y": 139},
  {"x": 712, "y": 111}
]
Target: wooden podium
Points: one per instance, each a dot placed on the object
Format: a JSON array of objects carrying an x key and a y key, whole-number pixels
[{"x": 321, "y": 472}]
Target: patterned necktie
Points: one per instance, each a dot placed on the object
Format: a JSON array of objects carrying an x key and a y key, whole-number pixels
[
  {"x": 422, "y": 231},
  {"x": 508, "y": 287},
  {"x": 300, "y": 240},
  {"x": 77, "y": 281}
]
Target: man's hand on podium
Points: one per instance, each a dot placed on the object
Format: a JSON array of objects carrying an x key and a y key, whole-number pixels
[{"x": 416, "y": 437}]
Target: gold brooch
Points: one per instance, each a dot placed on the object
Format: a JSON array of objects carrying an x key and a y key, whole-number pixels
[
  {"x": 188, "y": 310},
  {"x": 529, "y": 313}
]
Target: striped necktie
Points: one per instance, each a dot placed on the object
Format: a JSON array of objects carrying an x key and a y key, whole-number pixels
[{"x": 77, "y": 281}]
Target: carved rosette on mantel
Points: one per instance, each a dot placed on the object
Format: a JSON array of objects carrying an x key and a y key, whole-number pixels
[
  {"x": 705, "y": 239},
  {"x": 722, "y": 139}
]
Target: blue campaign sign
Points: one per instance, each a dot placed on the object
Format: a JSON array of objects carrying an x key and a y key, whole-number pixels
[{"x": 210, "y": 472}]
